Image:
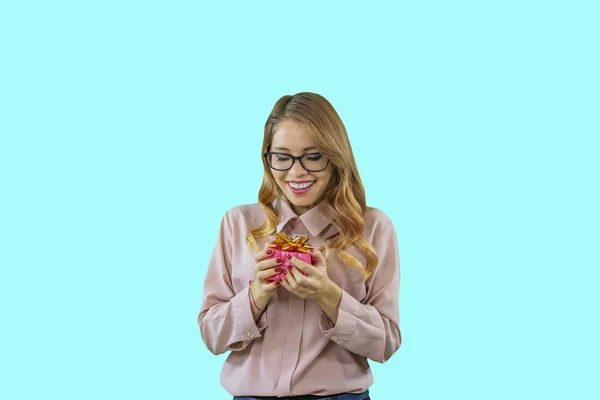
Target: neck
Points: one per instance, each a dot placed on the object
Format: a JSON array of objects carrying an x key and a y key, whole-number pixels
[{"x": 299, "y": 210}]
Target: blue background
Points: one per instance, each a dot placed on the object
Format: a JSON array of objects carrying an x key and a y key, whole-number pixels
[{"x": 129, "y": 128}]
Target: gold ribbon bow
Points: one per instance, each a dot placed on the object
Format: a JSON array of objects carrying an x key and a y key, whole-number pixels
[{"x": 299, "y": 244}]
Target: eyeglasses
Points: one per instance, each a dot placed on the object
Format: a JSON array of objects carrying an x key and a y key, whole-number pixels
[{"x": 312, "y": 162}]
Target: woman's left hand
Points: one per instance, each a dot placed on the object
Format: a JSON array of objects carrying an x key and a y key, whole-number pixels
[{"x": 316, "y": 284}]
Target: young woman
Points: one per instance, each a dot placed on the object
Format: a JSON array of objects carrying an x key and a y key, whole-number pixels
[{"x": 309, "y": 334}]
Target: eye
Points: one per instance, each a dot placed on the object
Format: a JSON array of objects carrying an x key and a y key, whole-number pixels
[
  {"x": 282, "y": 157},
  {"x": 314, "y": 157}
]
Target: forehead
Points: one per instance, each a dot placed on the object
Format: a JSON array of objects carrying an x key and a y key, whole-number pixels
[{"x": 292, "y": 135}]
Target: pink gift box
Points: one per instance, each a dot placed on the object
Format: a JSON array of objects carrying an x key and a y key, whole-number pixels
[{"x": 287, "y": 266}]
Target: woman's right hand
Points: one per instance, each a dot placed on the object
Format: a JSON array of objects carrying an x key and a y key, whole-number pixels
[{"x": 266, "y": 268}]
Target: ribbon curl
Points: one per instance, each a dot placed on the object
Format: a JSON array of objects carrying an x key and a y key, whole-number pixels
[{"x": 299, "y": 244}]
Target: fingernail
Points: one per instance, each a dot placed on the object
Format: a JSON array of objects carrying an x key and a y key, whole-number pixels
[
  {"x": 289, "y": 256},
  {"x": 277, "y": 283},
  {"x": 277, "y": 269},
  {"x": 279, "y": 260},
  {"x": 269, "y": 251}
]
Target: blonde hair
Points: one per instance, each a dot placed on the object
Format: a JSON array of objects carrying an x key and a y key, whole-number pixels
[{"x": 344, "y": 197}]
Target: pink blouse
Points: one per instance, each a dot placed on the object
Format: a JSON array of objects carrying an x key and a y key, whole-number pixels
[{"x": 294, "y": 348}]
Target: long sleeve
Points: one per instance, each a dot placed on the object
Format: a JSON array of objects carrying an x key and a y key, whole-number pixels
[
  {"x": 225, "y": 318},
  {"x": 371, "y": 328}
]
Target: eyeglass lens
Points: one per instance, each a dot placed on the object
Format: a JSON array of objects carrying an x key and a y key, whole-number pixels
[{"x": 310, "y": 162}]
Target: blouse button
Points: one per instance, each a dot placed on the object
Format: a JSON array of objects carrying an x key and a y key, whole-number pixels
[
  {"x": 250, "y": 334},
  {"x": 334, "y": 338}
]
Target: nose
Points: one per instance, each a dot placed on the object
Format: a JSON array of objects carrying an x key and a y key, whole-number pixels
[{"x": 297, "y": 169}]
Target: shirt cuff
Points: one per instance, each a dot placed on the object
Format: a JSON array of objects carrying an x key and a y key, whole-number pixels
[
  {"x": 246, "y": 328},
  {"x": 346, "y": 320}
]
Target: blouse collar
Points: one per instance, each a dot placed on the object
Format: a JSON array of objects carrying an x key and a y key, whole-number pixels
[{"x": 316, "y": 219}]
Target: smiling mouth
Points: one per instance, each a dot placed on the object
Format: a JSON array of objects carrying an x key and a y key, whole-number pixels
[
  {"x": 302, "y": 185},
  {"x": 300, "y": 188}
]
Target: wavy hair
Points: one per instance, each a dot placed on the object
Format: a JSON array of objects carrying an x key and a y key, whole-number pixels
[{"x": 344, "y": 197}]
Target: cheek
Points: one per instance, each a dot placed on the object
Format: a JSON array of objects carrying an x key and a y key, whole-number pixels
[
  {"x": 279, "y": 178},
  {"x": 324, "y": 179},
  {"x": 323, "y": 183}
]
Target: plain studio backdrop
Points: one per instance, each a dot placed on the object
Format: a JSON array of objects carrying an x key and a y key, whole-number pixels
[{"x": 127, "y": 130}]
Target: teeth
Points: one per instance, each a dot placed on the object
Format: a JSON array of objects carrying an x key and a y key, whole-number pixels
[{"x": 300, "y": 185}]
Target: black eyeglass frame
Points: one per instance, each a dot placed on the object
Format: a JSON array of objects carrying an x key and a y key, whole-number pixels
[{"x": 294, "y": 158}]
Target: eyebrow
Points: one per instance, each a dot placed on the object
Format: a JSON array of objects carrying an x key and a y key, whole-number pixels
[{"x": 304, "y": 149}]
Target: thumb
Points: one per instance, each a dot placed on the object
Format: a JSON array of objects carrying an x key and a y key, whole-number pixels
[{"x": 318, "y": 257}]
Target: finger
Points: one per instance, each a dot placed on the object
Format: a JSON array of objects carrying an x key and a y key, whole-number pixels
[
  {"x": 279, "y": 280},
  {"x": 266, "y": 283},
  {"x": 264, "y": 253},
  {"x": 286, "y": 285},
  {"x": 303, "y": 281},
  {"x": 267, "y": 263},
  {"x": 318, "y": 257},
  {"x": 291, "y": 280},
  {"x": 263, "y": 275},
  {"x": 302, "y": 266},
  {"x": 271, "y": 286},
  {"x": 298, "y": 277}
]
